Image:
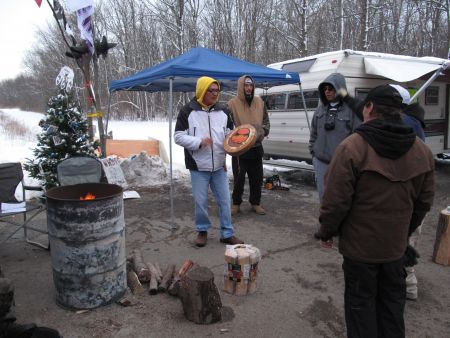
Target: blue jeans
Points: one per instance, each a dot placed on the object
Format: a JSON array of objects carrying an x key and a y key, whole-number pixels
[
  {"x": 218, "y": 181},
  {"x": 320, "y": 168}
]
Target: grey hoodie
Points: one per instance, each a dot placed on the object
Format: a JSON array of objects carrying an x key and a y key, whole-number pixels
[{"x": 323, "y": 141}]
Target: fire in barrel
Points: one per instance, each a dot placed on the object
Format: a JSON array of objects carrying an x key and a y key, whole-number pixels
[{"x": 87, "y": 240}]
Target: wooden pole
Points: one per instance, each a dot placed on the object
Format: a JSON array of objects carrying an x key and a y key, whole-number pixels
[{"x": 86, "y": 60}]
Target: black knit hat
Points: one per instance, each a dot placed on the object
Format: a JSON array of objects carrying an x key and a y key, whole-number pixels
[
  {"x": 385, "y": 95},
  {"x": 415, "y": 110}
]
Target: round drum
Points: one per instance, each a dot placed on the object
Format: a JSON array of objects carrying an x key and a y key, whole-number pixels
[{"x": 240, "y": 139}]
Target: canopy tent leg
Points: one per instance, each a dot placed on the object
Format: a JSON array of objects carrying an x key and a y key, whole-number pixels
[
  {"x": 172, "y": 222},
  {"x": 304, "y": 105}
]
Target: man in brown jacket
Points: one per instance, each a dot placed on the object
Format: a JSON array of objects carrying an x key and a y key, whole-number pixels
[
  {"x": 248, "y": 108},
  {"x": 378, "y": 188}
]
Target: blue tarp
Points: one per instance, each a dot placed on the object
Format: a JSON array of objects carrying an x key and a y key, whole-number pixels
[{"x": 188, "y": 67}]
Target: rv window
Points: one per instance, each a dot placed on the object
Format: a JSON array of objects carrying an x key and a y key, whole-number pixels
[
  {"x": 311, "y": 99},
  {"x": 298, "y": 67},
  {"x": 361, "y": 93},
  {"x": 432, "y": 96},
  {"x": 274, "y": 101}
]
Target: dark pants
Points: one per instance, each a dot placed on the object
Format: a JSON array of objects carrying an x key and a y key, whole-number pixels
[
  {"x": 375, "y": 296},
  {"x": 253, "y": 167}
]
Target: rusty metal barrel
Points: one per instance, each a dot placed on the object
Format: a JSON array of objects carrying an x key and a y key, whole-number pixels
[{"x": 87, "y": 244}]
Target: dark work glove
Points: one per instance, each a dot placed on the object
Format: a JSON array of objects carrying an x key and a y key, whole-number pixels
[
  {"x": 319, "y": 236},
  {"x": 411, "y": 256}
]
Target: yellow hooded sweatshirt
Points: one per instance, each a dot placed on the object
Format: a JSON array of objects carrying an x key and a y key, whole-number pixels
[{"x": 203, "y": 84}]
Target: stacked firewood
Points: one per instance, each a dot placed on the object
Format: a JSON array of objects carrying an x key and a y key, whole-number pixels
[
  {"x": 142, "y": 275},
  {"x": 192, "y": 284}
]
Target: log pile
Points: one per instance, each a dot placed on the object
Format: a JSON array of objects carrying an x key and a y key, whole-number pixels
[
  {"x": 191, "y": 283},
  {"x": 241, "y": 269},
  {"x": 147, "y": 277}
]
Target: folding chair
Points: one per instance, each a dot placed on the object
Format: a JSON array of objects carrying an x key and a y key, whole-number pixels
[
  {"x": 79, "y": 169},
  {"x": 11, "y": 177}
]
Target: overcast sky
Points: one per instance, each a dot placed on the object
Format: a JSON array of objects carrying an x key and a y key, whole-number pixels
[{"x": 18, "y": 22}]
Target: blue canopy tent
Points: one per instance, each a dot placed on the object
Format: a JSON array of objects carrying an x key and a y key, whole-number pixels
[{"x": 181, "y": 73}]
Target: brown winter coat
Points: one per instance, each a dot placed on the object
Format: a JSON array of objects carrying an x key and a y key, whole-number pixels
[
  {"x": 243, "y": 113},
  {"x": 371, "y": 201}
]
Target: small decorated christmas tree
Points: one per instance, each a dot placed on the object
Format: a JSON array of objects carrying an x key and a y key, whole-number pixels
[{"x": 64, "y": 133}]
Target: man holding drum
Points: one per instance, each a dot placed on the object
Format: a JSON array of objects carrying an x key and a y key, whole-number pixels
[{"x": 249, "y": 109}]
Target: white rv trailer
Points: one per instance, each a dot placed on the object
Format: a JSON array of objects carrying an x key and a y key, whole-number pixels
[{"x": 427, "y": 79}]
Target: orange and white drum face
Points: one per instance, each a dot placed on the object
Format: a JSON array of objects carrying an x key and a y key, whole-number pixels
[{"x": 240, "y": 140}]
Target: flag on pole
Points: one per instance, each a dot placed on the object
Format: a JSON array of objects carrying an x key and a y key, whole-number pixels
[
  {"x": 39, "y": 2},
  {"x": 84, "y": 19}
]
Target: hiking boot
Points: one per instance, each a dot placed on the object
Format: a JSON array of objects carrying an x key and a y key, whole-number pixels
[
  {"x": 411, "y": 296},
  {"x": 231, "y": 240},
  {"x": 235, "y": 208},
  {"x": 202, "y": 237},
  {"x": 258, "y": 209}
]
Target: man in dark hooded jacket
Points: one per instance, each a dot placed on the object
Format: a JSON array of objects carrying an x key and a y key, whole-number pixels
[
  {"x": 249, "y": 109},
  {"x": 332, "y": 122},
  {"x": 379, "y": 186}
]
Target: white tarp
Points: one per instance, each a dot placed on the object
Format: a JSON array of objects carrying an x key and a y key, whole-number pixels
[{"x": 400, "y": 70}]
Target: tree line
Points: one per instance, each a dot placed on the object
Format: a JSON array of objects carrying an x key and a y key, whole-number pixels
[{"x": 148, "y": 32}]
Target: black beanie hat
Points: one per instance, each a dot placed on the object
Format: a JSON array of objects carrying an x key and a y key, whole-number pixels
[{"x": 385, "y": 95}]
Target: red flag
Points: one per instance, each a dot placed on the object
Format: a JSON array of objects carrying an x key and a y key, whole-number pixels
[{"x": 38, "y": 2}]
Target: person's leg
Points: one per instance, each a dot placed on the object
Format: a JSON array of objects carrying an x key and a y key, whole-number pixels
[
  {"x": 411, "y": 279},
  {"x": 359, "y": 298},
  {"x": 391, "y": 300},
  {"x": 8, "y": 325},
  {"x": 319, "y": 169},
  {"x": 239, "y": 171},
  {"x": 200, "y": 183},
  {"x": 221, "y": 191},
  {"x": 255, "y": 179},
  {"x": 6, "y": 300}
]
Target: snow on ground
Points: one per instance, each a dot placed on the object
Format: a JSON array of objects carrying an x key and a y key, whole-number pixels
[{"x": 139, "y": 170}]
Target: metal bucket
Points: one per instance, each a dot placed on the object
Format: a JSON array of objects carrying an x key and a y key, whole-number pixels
[{"x": 87, "y": 244}]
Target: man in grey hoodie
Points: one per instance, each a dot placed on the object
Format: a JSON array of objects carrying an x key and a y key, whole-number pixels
[{"x": 332, "y": 122}]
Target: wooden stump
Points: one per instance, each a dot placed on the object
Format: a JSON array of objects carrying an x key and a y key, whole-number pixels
[
  {"x": 441, "y": 254},
  {"x": 200, "y": 296}
]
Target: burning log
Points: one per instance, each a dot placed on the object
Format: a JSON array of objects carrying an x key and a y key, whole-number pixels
[
  {"x": 133, "y": 281},
  {"x": 140, "y": 267},
  {"x": 167, "y": 278},
  {"x": 174, "y": 287},
  {"x": 200, "y": 296}
]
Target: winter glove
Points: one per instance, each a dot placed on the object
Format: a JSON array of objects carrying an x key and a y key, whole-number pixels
[
  {"x": 410, "y": 257},
  {"x": 319, "y": 236},
  {"x": 341, "y": 93}
]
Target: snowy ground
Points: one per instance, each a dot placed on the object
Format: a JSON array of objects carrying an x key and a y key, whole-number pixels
[
  {"x": 139, "y": 170},
  {"x": 18, "y": 149}
]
